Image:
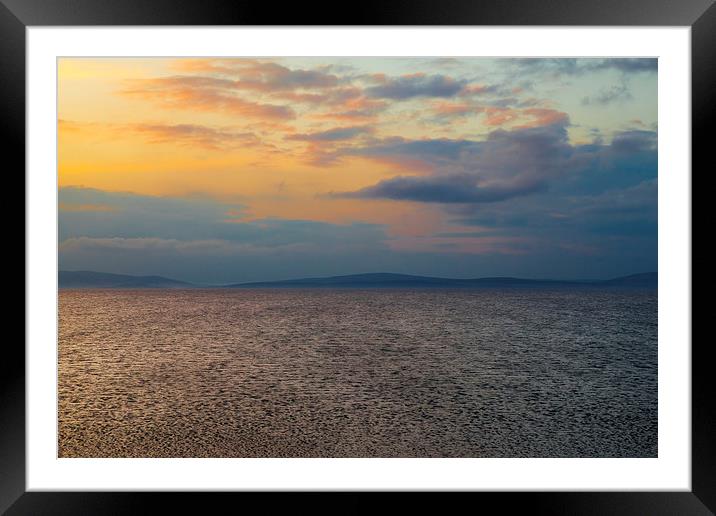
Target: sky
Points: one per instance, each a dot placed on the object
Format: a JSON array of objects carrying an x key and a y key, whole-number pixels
[{"x": 220, "y": 170}]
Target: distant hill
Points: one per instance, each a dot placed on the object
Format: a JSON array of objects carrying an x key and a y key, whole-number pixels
[
  {"x": 387, "y": 280},
  {"x": 90, "y": 279},
  {"x": 645, "y": 279}
]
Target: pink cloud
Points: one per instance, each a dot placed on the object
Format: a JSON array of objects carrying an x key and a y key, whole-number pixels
[{"x": 203, "y": 94}]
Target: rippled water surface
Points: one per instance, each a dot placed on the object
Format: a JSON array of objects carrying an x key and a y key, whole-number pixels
[{"x": 349, "y": 373}]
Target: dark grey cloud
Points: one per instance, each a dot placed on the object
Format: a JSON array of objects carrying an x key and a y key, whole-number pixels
[
  {"x": 506, "y": 164},
  {"x": 272, "y": 76},
  {"x": 435, "y": 152},
  {"x": 448, "y": 189},
  {"x": 587, "y": 218},
  {"x": 503, "y": 151},
  {"x": 580, "y": 66},
  {"x": 631, "y": 211},
  {"x": 509, "y": 164},
  {"x": 588, "y": 234},
  {"x": 303, "y": 78},
  {"x": 407, "y": 87},
  {"x": 634, "y": 141},
  {"x": 442, "y": 150},
  {"x": 628, "y": 64}
]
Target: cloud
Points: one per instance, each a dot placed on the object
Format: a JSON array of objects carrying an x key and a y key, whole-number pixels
[
  {"x": 203, "y": 94},
  {"x": 430, "y": 151},
  {"x": 634, "y": 141},
  {"x": 331, "y": 135},
  {"x": 227, "y": 77},
  {"x": 323, "y": 97},
  {"x": 416, "y": 85},
  {"x": 189, "y": 135},
  {"x": 356, "y": 109},
  {"x": 627, "y": 212},
  {"x": 72, "y": 126},
  {"x": 496, "y": 115},
  {"x": 449, "y": 189},
  {"x": 264, "y": 76},
  {"x": 242, "y": 86},
  {"x": 509, "y": 163},
  {"x": 132, "y": 216},
  {"x": 452, "y": 110},
  {"x": 617, "y": 93},
  {"x": 258, "y": 75},
  {"x": 148, "y": 245},
  {"x": 616, "y": 229},
  {"x": 630, "y": 65},
  {"x": 581, "y": 66},
  {"x": 164, "y": 246},
  {"x": 504, "y": 154},
  {"x": 614, "y": 213},
  {"x": 198, "y": 239},
  {"x": 544, "y": 117},
  {"x": 203, "y": 240},
  {"x": 445, "y": 62},
  {"x": 193, "y": 135}
]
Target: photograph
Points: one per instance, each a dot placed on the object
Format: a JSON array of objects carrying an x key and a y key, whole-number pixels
[{"x": 357, "y": 257}]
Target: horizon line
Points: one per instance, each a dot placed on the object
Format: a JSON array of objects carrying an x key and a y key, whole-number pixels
[{"x": 305, "y": 278}]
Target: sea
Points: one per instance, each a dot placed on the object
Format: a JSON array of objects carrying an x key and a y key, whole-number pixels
[{"x": 562, "y": 372}]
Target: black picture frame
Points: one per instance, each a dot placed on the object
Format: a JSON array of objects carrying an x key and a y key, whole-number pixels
[{"x": 16, "y": 15}]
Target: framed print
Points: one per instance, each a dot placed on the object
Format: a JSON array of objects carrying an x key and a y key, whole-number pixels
[{"x": 411, "y": 251}]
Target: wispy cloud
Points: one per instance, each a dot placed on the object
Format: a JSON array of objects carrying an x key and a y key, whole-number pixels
[
  {"x": 203, "y": 94},
  {"x": 193, "y": 135},
  {"x": 331, "y": 135},
  {"x": 185, "y": 135},
  {"x": 253, "y": 74},
  {"x": 608, "y": 95}
]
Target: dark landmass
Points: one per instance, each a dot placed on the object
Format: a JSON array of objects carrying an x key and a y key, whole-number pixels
[
  {"x": 645, "y": 279},
  {"x": 90, "y": 279},
  {"x": 386, "y": 280}
]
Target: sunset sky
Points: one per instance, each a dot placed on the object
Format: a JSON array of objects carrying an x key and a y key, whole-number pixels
[{"x": 219, "y": 170}]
